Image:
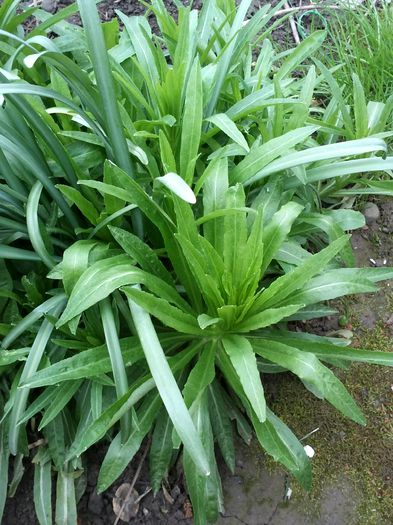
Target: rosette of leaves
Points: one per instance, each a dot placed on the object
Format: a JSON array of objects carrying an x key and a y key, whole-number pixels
[{"x": 217, "y": 255}]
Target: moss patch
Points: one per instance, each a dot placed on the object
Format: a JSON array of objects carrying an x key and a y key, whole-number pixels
[{"x": 355, "y": 458}]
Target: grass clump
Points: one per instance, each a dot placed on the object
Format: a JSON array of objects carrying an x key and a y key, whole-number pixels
[{"x": 361, "y": 40}]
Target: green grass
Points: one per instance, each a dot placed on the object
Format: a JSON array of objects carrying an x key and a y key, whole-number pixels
[{"x": 361, "y": 40}]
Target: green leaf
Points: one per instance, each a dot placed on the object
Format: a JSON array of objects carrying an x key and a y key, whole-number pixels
[
  {"x": 43, "y": 492},
  {"x": 280, "y": 443},
  {"x": 323, "y": 349},
  {"x": 59, "y": 400},
  {"x": 84, "y": 205},
  {"x": 119, "y": 453},
  {"x": 250, "y": 169},
  {"x": 105, "y": 276},
  {"x": 267, "y": 317},
  {"x": 305, "y": 49},
  {"x": 201, "y": 375},
  {"x": 330, "y": 285},
  {"x": 222, "y": 426},
  {"x": 160, "y": 450},
  {"x": 235, "y": 239},
  {"x": 65, "y": 499},
  {"x": 166, "y": 313},
  {"x": 141, "y": 252},
  {"x": 223, "y": 122},
  {"x": 168, "y": 389},
  {"x": 214, "y": 198},
  {"x": 322, "y": 153},
  {"x": 75, "y": 261},
  {"x": 191, "y": 124},
  {"x": 314, "y": 375},
  {"x": 285, "y": 285},
  {"x": 89, "y": 363},
  {"x": 244, "y": 362},
  {"x": 275, "y": 233}
]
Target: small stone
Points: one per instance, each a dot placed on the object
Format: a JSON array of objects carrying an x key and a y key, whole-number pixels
[
  {"x": 49, "y": 5},
  {"x": 385, "y": 229},
  {"x": 371, "y": 212}
]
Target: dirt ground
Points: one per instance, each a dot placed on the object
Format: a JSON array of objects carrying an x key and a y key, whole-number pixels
[{"x": 353, "y": 469}]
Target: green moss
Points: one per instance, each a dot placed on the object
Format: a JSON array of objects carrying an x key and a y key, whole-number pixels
[{"x": 346, "y": 453}]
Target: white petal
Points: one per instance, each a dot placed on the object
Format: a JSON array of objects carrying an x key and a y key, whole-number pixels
[
  {"x": 309, "y": 451},
  {"x": 178, "y": 186}
]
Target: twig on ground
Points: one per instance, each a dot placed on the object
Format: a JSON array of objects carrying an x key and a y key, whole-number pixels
[
  {"x": 282, "y": 12},
  {"x": 134, "y": 480},
  {"x": 292, "y": 23}
]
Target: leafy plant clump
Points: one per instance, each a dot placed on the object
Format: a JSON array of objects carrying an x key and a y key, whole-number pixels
[{"x": 168, "y": 203}]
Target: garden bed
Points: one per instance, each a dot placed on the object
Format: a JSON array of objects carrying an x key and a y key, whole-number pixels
[
  {"x": 353, "y": 474},
  {"x": 353, "y": 471}
]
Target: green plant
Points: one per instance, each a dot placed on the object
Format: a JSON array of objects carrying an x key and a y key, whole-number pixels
[
  {"x": 361, "y": 40},
  {"x": 165, "y": 176}
]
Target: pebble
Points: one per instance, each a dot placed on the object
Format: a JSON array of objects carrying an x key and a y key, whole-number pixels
[
  {"x": 371, "y": 212},
  {"x": 49, "y": 5},
  {"x": 385, "y": 229}
]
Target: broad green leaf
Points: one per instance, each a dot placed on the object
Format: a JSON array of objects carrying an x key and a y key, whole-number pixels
[
  {"x": 95, "y": 361},
  {"x": 65, "y": 499},
  {"x": 7, "y": 357},
  {"x": 225, "y": 124},
  {"x": 116, "y": 358},
  {"x": 141, "y": 252},
  {"x": 84, "y": 205},
  {"x": 106, "y": 276},
  {"x": 330, "y": 285},
  {"x": 215, "y": 188},
  {"x": 165, "y": 312},
  {"x": 250, "y": 169},
  {"x": 285, "y": 285},
  {"x": 205, "y": 492},
  {"x": 235, "y": 239},
  {"x": 75, "y": 261},
  {"x": 280, "y": 443},
  {"x": 59, "y": 400},
  {"x": 96, "y": 429},
  {"x": 275, "y": 233},
  {"x": 324, "y": 349},
  {"x": 244, "y": 362},
  {"x": 305, "y": 49},
  {"x": 206, "y": 279},
  {"x": 314, "y": 375},
  {"x": 322, "y": 153},
  {"x": 168, "y": 388},
  {"x": 32, "y": 363},
  {"x": 266, "y": 318},
  {"x": 201, "y": 375}
]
